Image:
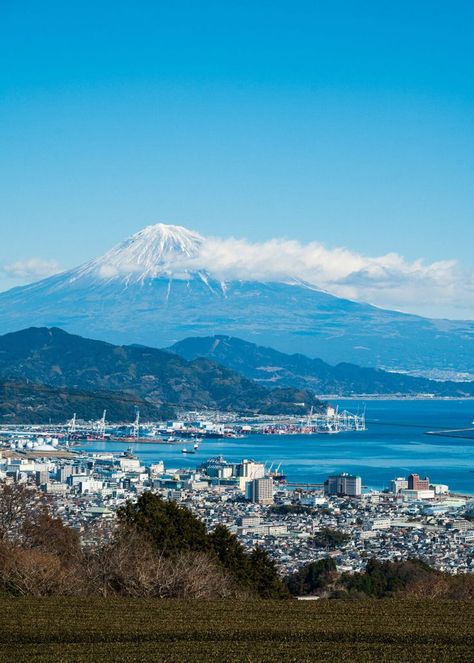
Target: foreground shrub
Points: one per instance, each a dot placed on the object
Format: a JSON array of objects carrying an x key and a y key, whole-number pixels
[
  {"x": 382, "y": 579},
  {"x": 172, "y": 529},
  {"x": 314, "y": 578},
  {"x": 36, "y": 573},
  {"x": 130, "y": 565}
]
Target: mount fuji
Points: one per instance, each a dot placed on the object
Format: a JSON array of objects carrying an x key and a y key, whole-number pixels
[{"x": 155, "y": 289}]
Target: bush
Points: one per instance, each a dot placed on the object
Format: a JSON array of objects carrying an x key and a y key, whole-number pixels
[
  {"x": 312, "y": 578},
  {"x": 173, "y": 529},
  {"x": 130, "y": 565},
  {"x": 330, "y": 538},
  {"x": 35, "y": 573},
  {"x": 384, "y": 579}
]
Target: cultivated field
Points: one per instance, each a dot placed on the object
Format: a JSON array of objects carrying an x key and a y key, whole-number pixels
[{"x": 63, "y": 629}]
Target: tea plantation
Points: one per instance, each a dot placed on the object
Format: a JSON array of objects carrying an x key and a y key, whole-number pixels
[{"x": 62, "y": 629}]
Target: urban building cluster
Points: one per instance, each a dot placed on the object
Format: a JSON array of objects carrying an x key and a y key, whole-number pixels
[{"x": 414, "y": 519}]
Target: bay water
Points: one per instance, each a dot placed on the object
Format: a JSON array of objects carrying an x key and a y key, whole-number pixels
[{"x": 394, "y": 444}]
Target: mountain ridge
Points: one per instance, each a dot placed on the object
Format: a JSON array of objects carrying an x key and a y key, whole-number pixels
[
  {"x": 271, "y": 367},
  {"x": 55, "y": 358},
  {"x": 153, "y": 289}
]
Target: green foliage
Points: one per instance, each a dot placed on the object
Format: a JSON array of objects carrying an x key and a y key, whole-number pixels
[
  {"x": 172, "y": 528},
  {"x": 287, "y": 509},
  {"x": 384, "y": 579},
  {"x": 231, "y": 554},
  {"x": 265, "y": 577},
  {"x": 330, "y": 538},
  {"x": 312, "y": 578}
]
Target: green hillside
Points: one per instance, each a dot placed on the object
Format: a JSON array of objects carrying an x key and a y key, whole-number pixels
[
  {"x": 57, "y": 359},
  {"x": 27, "y": 403},
  {"x": 272, "y": 368}
]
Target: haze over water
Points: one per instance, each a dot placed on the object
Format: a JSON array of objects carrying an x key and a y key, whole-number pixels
[{"x": 394, "y": 444}]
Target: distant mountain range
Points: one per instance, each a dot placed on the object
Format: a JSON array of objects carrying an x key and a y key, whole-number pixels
[
  {"x": 272, "y": 368},
  {"x": 150, "y": 290},
  {"x": 48, "y": 374},
  {"x": 57, "y": 359}
]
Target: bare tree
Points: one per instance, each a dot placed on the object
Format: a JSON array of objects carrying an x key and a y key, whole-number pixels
[
  {"x": 36, "y": 573},
  {"x": 130, "y": 565},
  {"x": 18, "y": 502}
]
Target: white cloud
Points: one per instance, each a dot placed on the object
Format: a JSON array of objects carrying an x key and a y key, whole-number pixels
[
  {"x": 441, "y": 288},
  {"x": 436, "y": 288},
  {"x": 30, "y": 269}
]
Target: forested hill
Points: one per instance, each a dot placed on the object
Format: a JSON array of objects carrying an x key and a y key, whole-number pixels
[
  {"x": 28, "y": 403},
  {"x": 271, "y": 367},
  {"x": 55, "y": 358}
]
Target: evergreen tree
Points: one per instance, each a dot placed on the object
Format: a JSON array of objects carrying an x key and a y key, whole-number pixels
[
  {"x": 266, "y": 580},
  {"x": 172, "y": 528},
  {"x": 312, "y": 577},
  {"x": 231, "y": 554}
]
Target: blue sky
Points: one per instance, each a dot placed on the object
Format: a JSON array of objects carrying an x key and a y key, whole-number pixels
[{"x": 344, "y": 123}]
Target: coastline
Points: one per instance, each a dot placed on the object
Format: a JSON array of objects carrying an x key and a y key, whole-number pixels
[{"x": 394, "y": 397}]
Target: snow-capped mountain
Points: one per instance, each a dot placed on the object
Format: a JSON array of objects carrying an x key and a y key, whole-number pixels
[
  {"x": 158, "y": 251},
  {"x": 158, "y": 287}
]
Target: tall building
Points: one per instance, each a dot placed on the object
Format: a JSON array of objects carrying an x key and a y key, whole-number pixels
[
  {"x": 41, "y": 477},
  {"x": 415, "y": 483},
  {"x": 63, "y": 473},
  {"x": 343, "y": 484},
  {"x": 398, "y": 484},
  {"x": 260, "y": 490},
  {"x": 250, "y": 469}
]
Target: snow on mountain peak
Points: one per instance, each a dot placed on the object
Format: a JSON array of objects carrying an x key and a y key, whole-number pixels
[
  {"x": 156, "y": 251},
  {"x": 166, "y": 242}
]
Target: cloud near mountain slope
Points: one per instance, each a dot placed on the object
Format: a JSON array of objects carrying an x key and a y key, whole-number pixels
[
  {"x": 440, "y": 289},
  {"x": 387, "y": 280},
  {"x": 30, "y": 269}
]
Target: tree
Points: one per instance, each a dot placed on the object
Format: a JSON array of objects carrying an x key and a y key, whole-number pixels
[
  {"x": 266, "y": 580},
  {"x": 18, "y": 503},
  {"x": 50, "y": 535},
  {"x": 231, "y": 554},
  {"x": 174, "y": 530},
  {"x": 288, "y": 509},
  {"x": 312, "y": 578},
  {"x": 384, "y": 579},
  {"x": 32, "y": 572},
  {"x": 330, "y": 538},
  {"x": 171, "y": 528}
]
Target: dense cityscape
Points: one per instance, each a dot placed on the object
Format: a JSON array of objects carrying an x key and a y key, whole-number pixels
[{"x": 415, "y": 518}]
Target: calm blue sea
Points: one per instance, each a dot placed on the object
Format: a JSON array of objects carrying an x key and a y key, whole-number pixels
[{"x": 395, "y": 444}]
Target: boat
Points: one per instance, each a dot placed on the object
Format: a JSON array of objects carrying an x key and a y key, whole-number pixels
[
  {"x": 187, "y": 451},
  {"x": 128, "y": 453}
]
